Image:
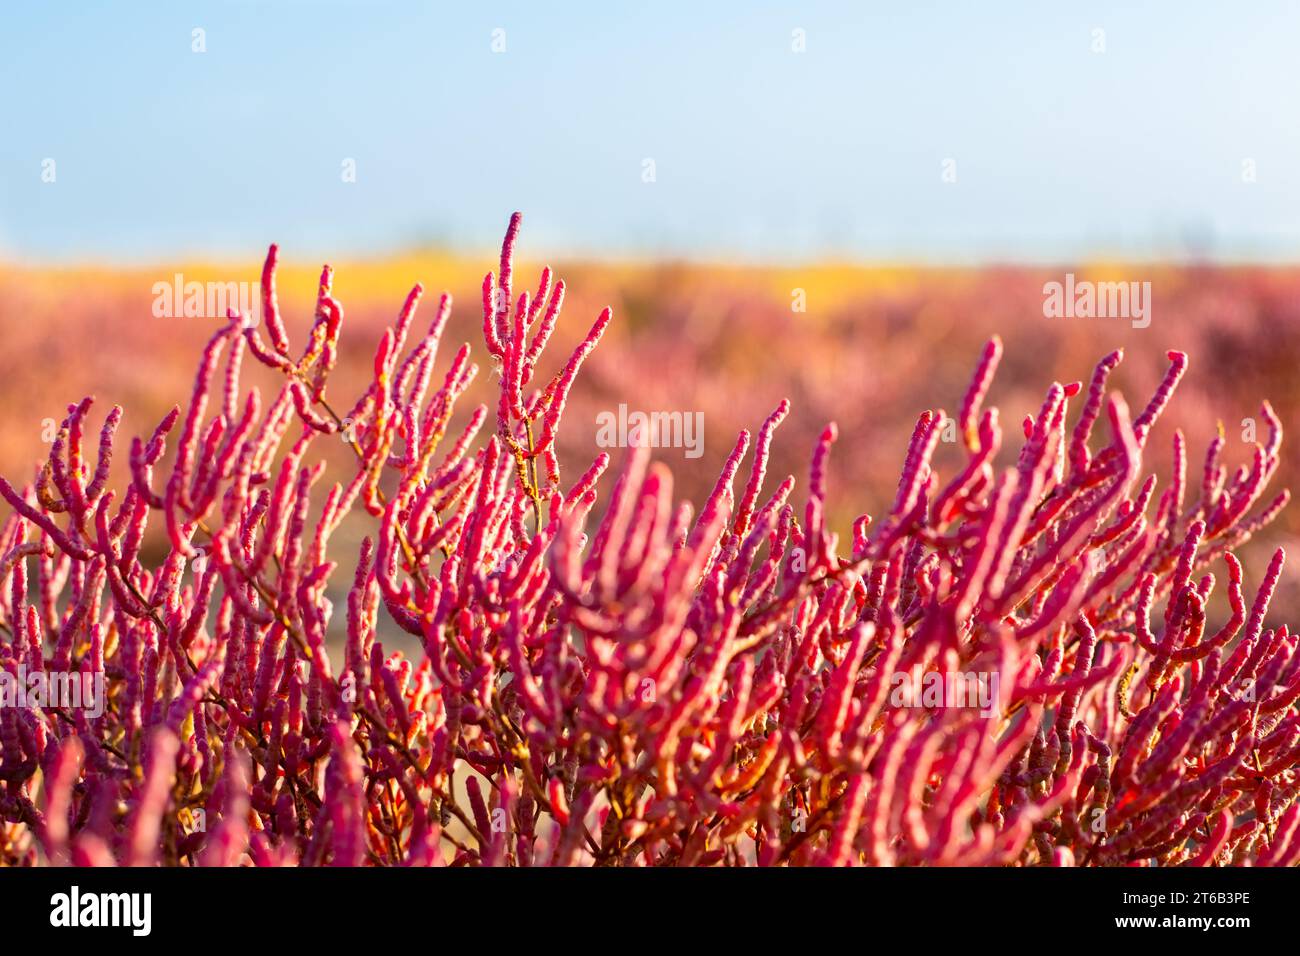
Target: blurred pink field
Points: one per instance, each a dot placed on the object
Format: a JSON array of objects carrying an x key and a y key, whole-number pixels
[{"x": 874, "y": 346}]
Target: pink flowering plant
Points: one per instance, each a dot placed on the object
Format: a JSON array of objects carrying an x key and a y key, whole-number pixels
[{"x": 1030, "y": 662}]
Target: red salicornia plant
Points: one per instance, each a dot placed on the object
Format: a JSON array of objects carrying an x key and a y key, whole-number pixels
[{"x": 1016, "y": 665}]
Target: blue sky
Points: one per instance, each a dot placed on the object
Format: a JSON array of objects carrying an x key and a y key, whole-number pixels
[{"x": 760, "y": 152}]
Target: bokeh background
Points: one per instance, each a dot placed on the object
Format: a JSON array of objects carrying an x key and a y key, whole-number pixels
[{"x": 914, "y": 173}]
